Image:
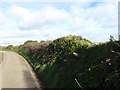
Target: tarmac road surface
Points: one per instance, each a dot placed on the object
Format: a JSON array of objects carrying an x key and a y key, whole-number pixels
[{"x": 16, "y": 72}]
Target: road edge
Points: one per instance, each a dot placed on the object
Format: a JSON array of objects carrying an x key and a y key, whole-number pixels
[
  {"x": 1, "y": 67},
  {"x": 34, "y": 75},
  {"x": 2, "y": 57}
]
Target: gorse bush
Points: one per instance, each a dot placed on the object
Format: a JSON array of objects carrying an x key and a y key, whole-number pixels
[{"x": 63, "y": 61}]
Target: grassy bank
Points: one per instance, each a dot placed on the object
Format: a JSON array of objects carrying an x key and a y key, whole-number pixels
[
  {"x": 74, "y": 62},
  {"x": 1, "y": 57}
]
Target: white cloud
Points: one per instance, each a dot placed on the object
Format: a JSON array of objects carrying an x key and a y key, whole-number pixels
[
  {"x": 29, "y": 19},
  {"x": 18, "y": 33},
  {"x": 59, "y": 0},
  {"x": 97, "y": 20},
  {"x": 2, "y": 17},
  {"x": 94, "y": 23},
  {"x": 22, "y": 15},
  {"x": 17, "y": 37}
]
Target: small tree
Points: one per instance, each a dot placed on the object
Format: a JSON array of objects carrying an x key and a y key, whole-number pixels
[{"x": 9, "y": 47}]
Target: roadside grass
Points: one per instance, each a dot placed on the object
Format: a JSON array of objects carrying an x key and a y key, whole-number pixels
[{"x": 1, "y": 57}]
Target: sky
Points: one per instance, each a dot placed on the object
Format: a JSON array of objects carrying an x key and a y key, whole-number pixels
[{"x": 22, "y": 21}]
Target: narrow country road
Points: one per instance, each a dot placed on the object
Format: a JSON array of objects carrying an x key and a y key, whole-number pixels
[{"x": 16, "y": 72}]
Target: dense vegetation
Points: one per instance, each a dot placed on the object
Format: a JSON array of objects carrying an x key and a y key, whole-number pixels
[{"x": 72, "y": 61}]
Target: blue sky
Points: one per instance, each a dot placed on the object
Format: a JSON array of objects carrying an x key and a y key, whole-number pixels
[{"x": 22, "y": 21}]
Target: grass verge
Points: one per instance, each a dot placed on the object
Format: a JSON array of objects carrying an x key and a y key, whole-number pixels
[{"x": 1, "y": 57}]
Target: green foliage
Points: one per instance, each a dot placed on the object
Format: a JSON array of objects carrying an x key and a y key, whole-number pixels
[
  {"x": 9, "y": 47},
  {"x": 55, "y": 62}
]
